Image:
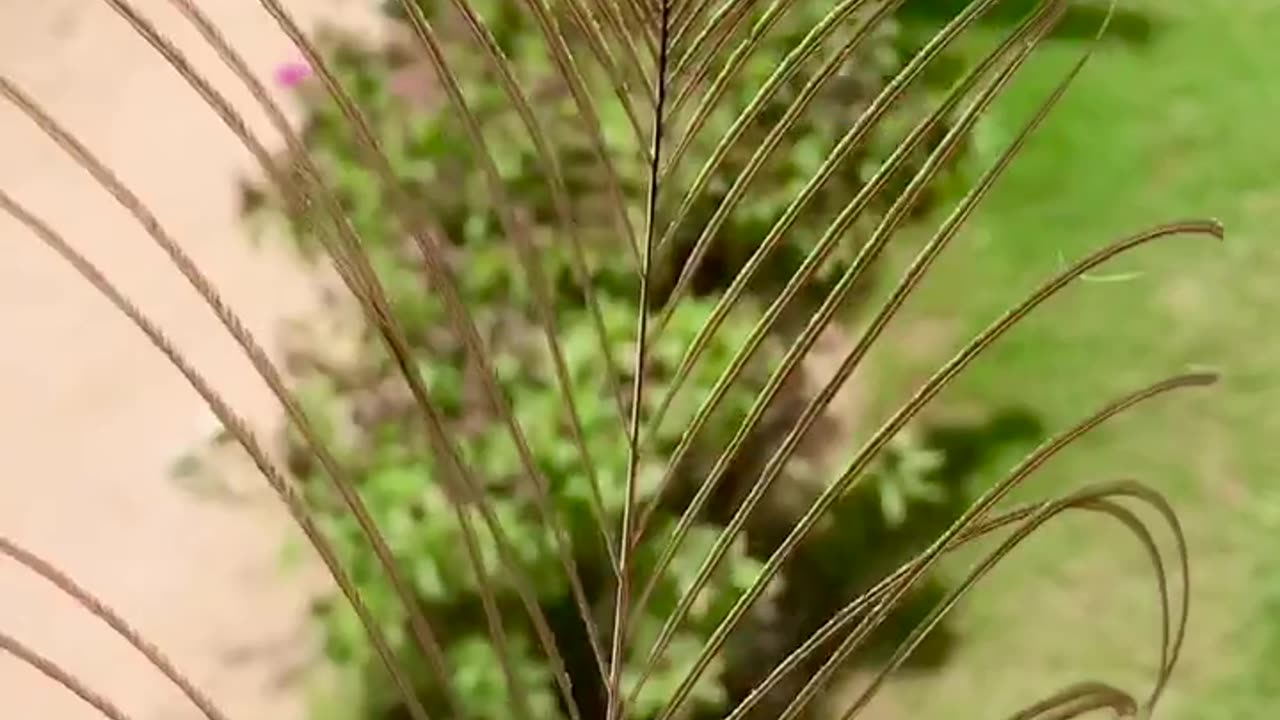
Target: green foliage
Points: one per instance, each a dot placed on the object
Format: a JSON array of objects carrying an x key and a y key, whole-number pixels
[
  {"x": 386, "y": 449},
  {"x": 904, "y": 476},
  {"x": 809, "y": 141},
  {"x": 376, "y": 431}
]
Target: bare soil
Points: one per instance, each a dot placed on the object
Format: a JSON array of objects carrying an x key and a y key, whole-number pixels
[{"x": 91, "y": 417}]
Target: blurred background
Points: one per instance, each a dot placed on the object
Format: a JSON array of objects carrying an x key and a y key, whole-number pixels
[{"x": 1172, "y": 119}]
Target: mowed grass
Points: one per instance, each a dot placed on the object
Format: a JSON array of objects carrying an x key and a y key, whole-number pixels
[{"x": 1184, "y": 125}]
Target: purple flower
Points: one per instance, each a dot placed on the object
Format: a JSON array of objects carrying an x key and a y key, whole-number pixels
[{"x": 292, "y": 74}]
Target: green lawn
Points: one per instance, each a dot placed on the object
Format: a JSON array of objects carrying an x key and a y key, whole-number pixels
[{"x": 1184, "y": 125}]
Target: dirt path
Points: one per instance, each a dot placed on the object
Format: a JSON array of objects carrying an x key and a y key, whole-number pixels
[{"x": 91, "y": 418}]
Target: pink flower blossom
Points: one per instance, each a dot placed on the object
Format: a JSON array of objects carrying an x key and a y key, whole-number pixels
[{"x": 292, "y": 74}]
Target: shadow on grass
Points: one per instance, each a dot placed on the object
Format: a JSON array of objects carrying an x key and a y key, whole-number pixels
[{"x": 860, "y": 548}]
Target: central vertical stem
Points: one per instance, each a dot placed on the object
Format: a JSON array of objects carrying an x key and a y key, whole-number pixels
[{"x": 628, "y": 543}]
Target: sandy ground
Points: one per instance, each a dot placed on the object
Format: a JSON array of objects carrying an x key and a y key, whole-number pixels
[{"x": 91, "y": 418}]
